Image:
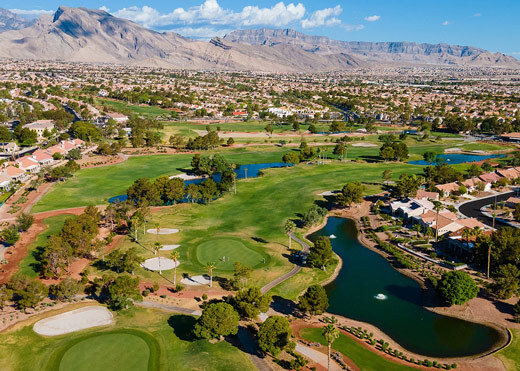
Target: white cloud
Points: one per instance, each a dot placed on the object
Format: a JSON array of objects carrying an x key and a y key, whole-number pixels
[
  {"x": 31, "y": 12},
  {"x": 477, "y": 15},
  {"x": 373, "y": 18},
  {"x": 211, "y": 13},
  {"x": 353, "y": 27},
  {"x": 200, "y": 32},
  {"x": 323, "y": 17},
  {"x": 104, "y": 8},
  {"x": 445, "y": 23}
]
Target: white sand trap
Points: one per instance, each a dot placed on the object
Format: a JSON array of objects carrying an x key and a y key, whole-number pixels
[
  {"x": 364, "y": 145},
  {"x": 327, "y": 193},
  {"x": 185, "y": 176},
  {"x": 75, "y": 320},
  {"x": 196, "y": 280},
  {"x": 164, "y": 264},
  {"x": 169, "y": 247},
  {"x": 162, "y": 230}
]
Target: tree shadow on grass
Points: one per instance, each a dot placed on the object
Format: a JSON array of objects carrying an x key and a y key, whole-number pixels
[
  {"x": 182, "y": 326},
  {"x": 37, "y": 255}
]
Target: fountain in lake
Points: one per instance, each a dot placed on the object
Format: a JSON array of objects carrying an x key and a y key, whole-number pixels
[{"x": 380, "y": 297}]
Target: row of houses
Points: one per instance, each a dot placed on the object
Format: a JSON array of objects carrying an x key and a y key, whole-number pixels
[
  {"x": 485, "y": 180},
  {"x": 20, "y": 169},
  {"x": 420, "y": 210}
]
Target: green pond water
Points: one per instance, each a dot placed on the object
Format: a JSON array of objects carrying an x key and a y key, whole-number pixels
[{"x": 400, "y": 314}]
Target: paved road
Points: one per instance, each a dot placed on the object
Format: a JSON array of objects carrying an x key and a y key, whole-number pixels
[
  {"x": 251, "y": 348},
  {"x": 295, "y": 270},
  {"x": 471, "y": 209},
  {"x": 317, "y": 357}
]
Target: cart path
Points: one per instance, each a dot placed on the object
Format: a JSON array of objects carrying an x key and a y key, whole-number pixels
[{"x": 297, "y": 267}]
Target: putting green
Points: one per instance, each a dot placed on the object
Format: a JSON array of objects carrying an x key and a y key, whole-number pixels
[
  {"x": 212, "y": 251},
  {"x": 108, "y": 351}
]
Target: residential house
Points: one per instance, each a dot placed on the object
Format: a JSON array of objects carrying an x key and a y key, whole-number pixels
[
  {"x": 5, "y": 181},
  {"x": 43, "y": 158},
  {"x": 510, "y": 173},
  {"x": 10, "y": 147},
  {"x": 118, "y": 117},
  {"x": 28, "y": 164},
  {"x": 490, "y": 178},
  {"x": 448, "y": 188},
  {"x": 411, "y": 207},
  {"x": 40, "y": 126},
  {"x": 473, "y": 183},
  {"x": 425, "y": 195},
  {"x": 16, "y": 174}
]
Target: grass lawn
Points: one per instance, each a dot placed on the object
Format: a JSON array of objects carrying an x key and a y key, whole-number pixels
[
  {"x": 109, "y": 351},
  {"x": 141, "y": 339},
  {"x": 137, "y": 109},
  {"x": 511, "y": 355},
  {"x": 362, "y": 357},
  {"x": 213, "y": 250},
  {"x": 255, "y": 216},
  {"x": 29, "y": 265},
  {"x": 97, "y": 185}
]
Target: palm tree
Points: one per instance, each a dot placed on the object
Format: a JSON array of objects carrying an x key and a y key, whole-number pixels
[
  {"x": 491, "y": 244},
  {"x": 494, "y": 216},
  {"x": 175, "y": 257},
  {"x": 437, "y": 206},
  {"x": 428, "y": 233},
  {"x": 417, "y": 228},
  {"x": 330, "y": 333},
  {"x": 477, "y": 231},
  {"x": 466, "y": 234},
  {"x": 210, "y": 267},
  {"x": 156, "y": 248},
  {"x": 289, "y": 229}
]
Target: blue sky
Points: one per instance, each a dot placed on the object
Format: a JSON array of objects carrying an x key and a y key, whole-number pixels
[{"x": 491, "y": 24}]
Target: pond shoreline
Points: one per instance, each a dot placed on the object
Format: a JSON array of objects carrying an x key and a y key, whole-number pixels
[{"x": 431, "y": 301}]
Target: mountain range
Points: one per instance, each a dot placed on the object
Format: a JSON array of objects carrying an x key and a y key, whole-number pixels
[
  {"x": 10, "y": 21},
  {"x": 95, "y": 36}
]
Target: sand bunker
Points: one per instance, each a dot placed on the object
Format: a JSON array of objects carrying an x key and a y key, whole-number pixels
[
  {"x": 162, "y": 230},
  {"x": 75, "y": 320},
  {"x": 169, "y": 247},
  {"x": 196, "y": 280},
  {"x": 159, "y": 263},
  {"x": 364, "y": 145}
]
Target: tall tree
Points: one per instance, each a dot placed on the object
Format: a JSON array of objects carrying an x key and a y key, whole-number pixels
[
  {"x": 289, "y": 228},
  {"x": 330, "y": 333},
  {"x": 175, "y": 257}
]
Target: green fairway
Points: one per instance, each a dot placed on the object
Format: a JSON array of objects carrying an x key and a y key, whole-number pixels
[
  {"x": 140, "y": 339},
  {"x": 224, "y": 252},
  {"x": 29, "y": 265},
  {"x": 107, "y": 351},
  {"x": 510, "y": 356},
  {"x": 135, "y": 109},
  {"x": 255, "y": 216},
  {"x": 362, "y": 357},
  {"x": 97, "y": 185}
]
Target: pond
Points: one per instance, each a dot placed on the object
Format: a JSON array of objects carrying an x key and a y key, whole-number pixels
[
  {"x": 455, "y": 158},
  {"x": 242, "y": 172},
  {"x": 369, "y": 289}
]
